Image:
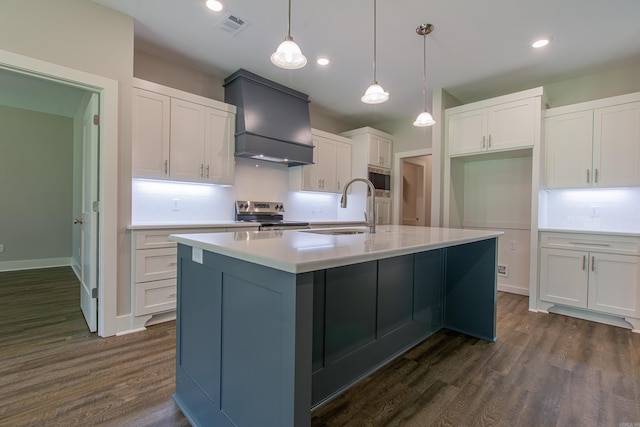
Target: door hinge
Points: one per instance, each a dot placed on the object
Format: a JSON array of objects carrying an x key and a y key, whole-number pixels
[
  {"x": 96, "y": 206},
  {"x": 96, "y": 120},
  {"x": 94, "y": 293}
]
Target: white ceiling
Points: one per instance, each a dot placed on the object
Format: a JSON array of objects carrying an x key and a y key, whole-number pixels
[{"x": 479, "y": 49}]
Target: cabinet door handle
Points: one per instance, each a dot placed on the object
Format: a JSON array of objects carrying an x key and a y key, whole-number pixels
[
  {"x": 484, "y": 142},
  {"x": 207, "y": 174},
  {"x": 593, "y": 263},
  {"x": 166, "y": 167},
  {"x": 489, "y": 141},
  {"x": 201, "y": 170},
  {"x": 588, "y": 177},
  {"x": 596, "y": 176},
  {"x": 584, "y": 262}
]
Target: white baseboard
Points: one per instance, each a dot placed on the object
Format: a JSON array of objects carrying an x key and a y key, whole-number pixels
[
  {"x": 513, "y": 289},
  {"x": 32, "y": 264}
]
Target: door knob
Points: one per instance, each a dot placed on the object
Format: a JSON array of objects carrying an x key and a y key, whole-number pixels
[{"x": 77, "y": 221}]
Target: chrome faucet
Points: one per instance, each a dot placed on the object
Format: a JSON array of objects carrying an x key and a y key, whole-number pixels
[{"x": 371, "y": 218}]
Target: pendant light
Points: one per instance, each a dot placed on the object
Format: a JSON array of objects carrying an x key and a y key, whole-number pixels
[
  {"x": 424, "y": 118},
  {"x": 288, "y": 55},
  {"x": 374, "y": 94}
]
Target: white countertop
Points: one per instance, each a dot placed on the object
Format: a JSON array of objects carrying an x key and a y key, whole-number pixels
[
  {"x": 226, "y": 224},
  {"x": 180, "y": 225},
  {"x": 300, "y": 251},
  {"x": 583, "y": 231}
]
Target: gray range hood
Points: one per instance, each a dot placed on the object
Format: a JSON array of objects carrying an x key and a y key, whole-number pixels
[{"x": 272, "y": 121}]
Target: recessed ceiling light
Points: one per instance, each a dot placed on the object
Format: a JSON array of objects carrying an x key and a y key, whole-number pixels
[
  {"x": 323, "y": 61},
  {"x": 215, "y": 5},
  {"x": 540, "y": 43}
]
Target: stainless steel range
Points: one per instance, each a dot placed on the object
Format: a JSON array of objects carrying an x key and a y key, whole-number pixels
[{"x": 268, "y": 214}]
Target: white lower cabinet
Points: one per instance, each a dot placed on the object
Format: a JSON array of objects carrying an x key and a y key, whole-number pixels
[
  {"x": 154, "y": 273},
  {"x": 597, "y": 273}
]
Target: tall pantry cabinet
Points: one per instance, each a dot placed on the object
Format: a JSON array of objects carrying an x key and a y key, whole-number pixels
[
  {"x": 372, "y": 148},
  {"x": 491, "y": 179}
]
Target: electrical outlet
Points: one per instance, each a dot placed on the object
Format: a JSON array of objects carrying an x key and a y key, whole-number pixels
[
  {"x": 503, "y": 270},
  {"x": 1, "y": 248}
]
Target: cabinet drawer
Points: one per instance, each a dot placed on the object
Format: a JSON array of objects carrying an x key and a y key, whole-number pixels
[
  {"x": 156, "y": 264},
  {"x": 155, "y": 297},
  {"x": 160, "y": 238},
  {"x": 153, "y": 239},
  {"x": 591, "y": 242}
]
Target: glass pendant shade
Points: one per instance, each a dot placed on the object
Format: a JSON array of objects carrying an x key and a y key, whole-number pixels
[
  {"x": 424, "y": 119},
  {"x": 288, "y": 55},
  {"x": 375, "y": 94}
]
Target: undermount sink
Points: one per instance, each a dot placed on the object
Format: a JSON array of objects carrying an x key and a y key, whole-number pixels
[{"x": 334, "y": 232}]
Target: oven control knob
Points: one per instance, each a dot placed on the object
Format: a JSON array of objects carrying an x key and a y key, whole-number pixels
[{"x": 241, "y": 206}]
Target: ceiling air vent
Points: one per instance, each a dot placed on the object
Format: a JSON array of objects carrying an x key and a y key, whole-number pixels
[{"x": 232, "y": 24}]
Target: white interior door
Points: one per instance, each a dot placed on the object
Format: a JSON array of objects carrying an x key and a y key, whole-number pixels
[{"x": 89, "y": 216}]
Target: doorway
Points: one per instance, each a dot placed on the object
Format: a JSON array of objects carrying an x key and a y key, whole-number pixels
[
  {"x": 106, "y": 240},
  {"x": 415, "y": 188}
]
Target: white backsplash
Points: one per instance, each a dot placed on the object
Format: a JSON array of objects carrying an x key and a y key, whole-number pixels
[
  {"x": 157, "y": 201},
  {"x": 615, "y": 209}
]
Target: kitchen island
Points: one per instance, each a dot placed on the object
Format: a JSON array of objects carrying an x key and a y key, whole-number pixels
[{"x": 272, "y": 324}]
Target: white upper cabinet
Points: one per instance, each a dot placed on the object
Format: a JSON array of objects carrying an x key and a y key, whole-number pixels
[
  {"x": 568, "y": 154},
  {"x": 380, "y": 151},
  {"x": 331, "y": 168},
  {"x": 371, "y": 147},
  {"x": 594, "y": 147},
  {"x": 504, "y": 126},
  {"x": 616, "y": 145},
  {"x": 219, "y": 128},
  {"x": 181, "y": 136},
  {"x": 151, "y": 126},
  {"x": 187, "y": 141}
]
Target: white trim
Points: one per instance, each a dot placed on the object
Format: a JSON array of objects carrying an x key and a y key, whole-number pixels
[
  {"x": 108, "y": 90},
  {"x": 591, "y": 105},
  {"x": 397, "y": 179},
  {"x": 520, "y": 290},
  {"x": 31, "y": 264},
  {"x": 186, "y": 96},
  {"x": 529, "y": 93}
]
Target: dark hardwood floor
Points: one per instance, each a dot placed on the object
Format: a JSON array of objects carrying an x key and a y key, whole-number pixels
[{"x": 545, "y": 370}]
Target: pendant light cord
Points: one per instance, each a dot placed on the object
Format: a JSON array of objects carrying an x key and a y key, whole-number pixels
[
  {"x": 424, "y": 74},
  {"x": 289, "y": 22},
  {"x": 374, "y": 41}
]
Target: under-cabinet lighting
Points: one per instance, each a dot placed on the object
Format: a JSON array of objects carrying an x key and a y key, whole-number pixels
[{"x": 150, "y": 186}]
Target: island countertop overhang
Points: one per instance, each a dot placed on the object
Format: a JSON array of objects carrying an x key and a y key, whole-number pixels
[{"x": 301, "y": 251}]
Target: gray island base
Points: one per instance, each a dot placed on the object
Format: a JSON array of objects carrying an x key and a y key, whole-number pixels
[{"x": 272, "y": 324}]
